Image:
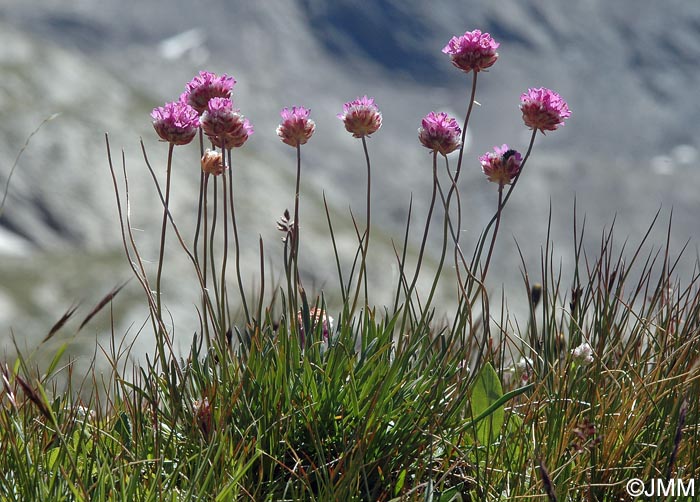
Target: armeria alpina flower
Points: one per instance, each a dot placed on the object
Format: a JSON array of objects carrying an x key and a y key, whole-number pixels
[
  {"x": 224, "y": 125},
  {"x": 440, "y": 133},
  {"x": 583, "y": 353},
  {"x": 296, "y": 127},
  {"x": 212, "y": 163},
  {"x": 206, "y": 86},
  {"x": 543, "y": 109},
  {"x": 524, "y": 369},
  {"x": 473, "y": 51},
  {"x": 361, "y": 117},
  {"x": 502, "y": 165},
  {"x": 176, "y": 122}
]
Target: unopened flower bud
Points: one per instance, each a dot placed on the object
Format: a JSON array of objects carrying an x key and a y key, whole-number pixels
[{"x": 212, "y": 163}]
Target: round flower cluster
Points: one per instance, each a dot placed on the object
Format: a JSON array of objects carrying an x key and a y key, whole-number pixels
[
  {"x": 296, "y": 127},
  {"x": 206, "y": 103},
  {"x": 176, "y": 122},
  {"x": 205, "y": 87},
  {"x": 361, "y": 117},
  {"x": 440, "y": 133},
  {"x": 473, "y": 51},
  {"x": 502, "y": 165},
  {"x": 583, "y": 354},
  {"x": 224, "y": 125},
  {"x": 543, "y": 109}
]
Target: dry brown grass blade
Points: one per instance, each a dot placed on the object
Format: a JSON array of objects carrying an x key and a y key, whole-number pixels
[
  {"x": 60, "y": 323},
  {"x": 34, "y": 397},
  {"x": 547, "y": 481},
  {"x": 101, "y": 304}
]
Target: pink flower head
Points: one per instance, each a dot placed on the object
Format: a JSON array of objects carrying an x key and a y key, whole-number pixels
[
  {"x": 224, "y": 125},
  {"x": 361, "y": 117},
  {"x": 525, "y": 368},
  {"x": 176, "y": 122},
  {"x": 206, "y": 86},
  {"x": 543, "y": 109},
  {"x": 502, "y": 165},
  {"x": 440, "y": 133},
  {"x": 296, "y": 127},
  {"x": 583, "y": 354},
  {"x": 472, "y": 51}
]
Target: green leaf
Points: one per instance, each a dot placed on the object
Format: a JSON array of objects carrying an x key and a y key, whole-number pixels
[
  {"x": 51, "y": 457},
  {"x": 123, "y": 429},
  {"x": 55, "y": 360},
  {"x": 486, "y": 392},
  {"x": 399, "y": 482},
  {"x": 513, "y": 430},
  {"x": 451, "y": 495}
]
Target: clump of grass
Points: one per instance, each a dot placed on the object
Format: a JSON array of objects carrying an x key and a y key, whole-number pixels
[{"x": 283, "y": 402}]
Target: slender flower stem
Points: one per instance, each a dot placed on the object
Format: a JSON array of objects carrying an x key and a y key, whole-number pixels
[
  {"x": 262, "y": 282},
  {"x": 453, "y": 189},
  {"x": 163, "y": 229},
  {"x": 295, "y": 251},
  {"x": 466, "y": 123},
  {"x": 201, "y": 198},
  {"x": 369, "y": 191},
  {"x": 362, "y": 278},
  {"x": 402, "y": 261},
  {"x": 224, "y": 259},
  {"x": 211, "y": 243},
  {"x": 236, "y": 241},
  {"x": 199, "y": 216},
  {"x": 204, "y": 189},
  {"x": 501, "y": 205},
  {"x": 446, "y": 225},
  {"x": 409, "y": 293},
  {"x": 495, "y": 232},
  {"x": 288, "y": 250}
]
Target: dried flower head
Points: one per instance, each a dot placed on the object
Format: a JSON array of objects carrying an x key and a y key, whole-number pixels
[
  {"x": 560, "y": 343},
  {"x": 286, "y": 225},
  {"x": 440, "y": 133},
  {"x": 206, "y": 86},
  {"x": 317, "y": 315},
  {"x": 176, "y": 122},
  {"x": 583, "y": 353},
  {"x": 203, "y": 416},
  {"x": 502, "y": 165},
  {"x": 361, "y": 117},
  {"x": 473, "y": 51},
  {"x": 296, "y": 127},
  {"x": 212, "y": 162},
  {"x": 585, "y": 436},
  {"x": 535, "y": 294},
  {"x": 224, "y": 125},
  {"x": 543, "y": 109}
]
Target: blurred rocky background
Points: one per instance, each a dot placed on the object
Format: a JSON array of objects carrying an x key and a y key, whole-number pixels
[{"x": 629, "y": 69}]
